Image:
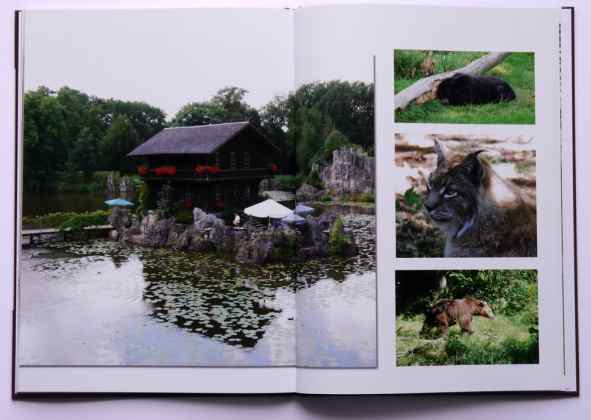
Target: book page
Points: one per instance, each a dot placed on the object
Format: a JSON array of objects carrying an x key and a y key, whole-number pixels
[
  {"x": 471, "y": 293},
  {"x": 144, "y": 135}
]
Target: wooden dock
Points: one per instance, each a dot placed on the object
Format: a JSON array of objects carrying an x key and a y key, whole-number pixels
[{"x": 35, "y": 236}]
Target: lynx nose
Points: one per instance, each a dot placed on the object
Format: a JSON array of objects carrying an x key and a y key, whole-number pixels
[{"x": 430, "y": 202}]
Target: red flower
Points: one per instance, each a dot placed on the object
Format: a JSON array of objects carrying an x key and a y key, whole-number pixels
[
  {"x": 214, "y": 169},
  {"x": 201, "y": 170},
  {"x": 274, "y": 168},
  {"x": 142, "y": 170},
  {"x": 165, "y": 171}
]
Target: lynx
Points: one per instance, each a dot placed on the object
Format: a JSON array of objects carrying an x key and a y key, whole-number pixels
[{"x": 481, "y": 214}]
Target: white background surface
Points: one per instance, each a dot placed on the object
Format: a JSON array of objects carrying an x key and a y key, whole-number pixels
[{"x": 444, "y": 407}]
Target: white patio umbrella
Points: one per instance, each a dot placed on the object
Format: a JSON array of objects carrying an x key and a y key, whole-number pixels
[
  {"x": 270, "y": 209},
  {"x": 294, "y": 218},
  {"x": 303, "y": 210}
]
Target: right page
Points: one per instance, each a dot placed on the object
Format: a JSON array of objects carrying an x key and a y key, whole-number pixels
[{"x": 475, "y": 289}]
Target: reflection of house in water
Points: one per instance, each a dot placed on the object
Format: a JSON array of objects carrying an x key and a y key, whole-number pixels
[{"x": 210, "y": 166}]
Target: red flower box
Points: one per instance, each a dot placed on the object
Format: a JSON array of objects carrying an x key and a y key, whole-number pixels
[
  {"x": 201, "y": 170},
  {"x": 142, "y": 170},
  {"x": 214, "y": 169},
  {"x": 165, "y": 171}
]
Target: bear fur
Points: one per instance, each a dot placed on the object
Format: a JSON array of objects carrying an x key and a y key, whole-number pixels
[
  {"x": 447, "y": 312},
  {"x": 463, "y": 89}
]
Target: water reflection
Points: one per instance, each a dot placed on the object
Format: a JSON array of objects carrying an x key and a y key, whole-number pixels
[{"x": 109, "y": 304}]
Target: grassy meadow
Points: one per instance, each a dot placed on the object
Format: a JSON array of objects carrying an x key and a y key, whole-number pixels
[
  {"x": 510, "y": 338},
  {"x": 517, "y": 70}
]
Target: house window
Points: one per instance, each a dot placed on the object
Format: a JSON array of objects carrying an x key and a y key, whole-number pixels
[
  {"x": 246, "y": 160},
  {"x": 232, "y": 160}
]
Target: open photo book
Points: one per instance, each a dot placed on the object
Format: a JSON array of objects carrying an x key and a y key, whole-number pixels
[{"x": 359, "y": 199}]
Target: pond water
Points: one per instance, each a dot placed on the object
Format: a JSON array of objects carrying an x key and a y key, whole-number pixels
[
  {"x": 36, "y": 203},
  {"x": 102, "y": 303}
]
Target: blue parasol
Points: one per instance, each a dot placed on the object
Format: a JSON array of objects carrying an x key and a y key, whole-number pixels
[{"x": 118, "y": 202}]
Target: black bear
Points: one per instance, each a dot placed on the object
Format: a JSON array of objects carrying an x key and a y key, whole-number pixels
[{"x": 463, "y": 89}]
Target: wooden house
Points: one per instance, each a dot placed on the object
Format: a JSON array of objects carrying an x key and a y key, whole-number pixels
[{"x": 213, "y": 167}]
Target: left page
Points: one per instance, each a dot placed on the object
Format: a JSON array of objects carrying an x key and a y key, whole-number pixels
[{"x": 144, "y": 138}]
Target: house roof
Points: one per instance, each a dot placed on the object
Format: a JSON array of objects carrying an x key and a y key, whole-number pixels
[{"x": 193, "y": 140}]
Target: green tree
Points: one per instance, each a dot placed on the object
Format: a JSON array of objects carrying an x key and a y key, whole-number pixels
[
  {"x": 84, "y": 154},
  {"x": 310, "y": 137},
  {"x": 45, "y": 145},
  {"x": 227, "y": 105},
  {"x": 119, "y": 140},
  {"x": 334, "y": 141}
]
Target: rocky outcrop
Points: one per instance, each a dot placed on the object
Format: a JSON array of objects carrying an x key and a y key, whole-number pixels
[
  {"x": 308, "y": 192},
  {"x": 250, "y": 244},
  {"x": 351, "y": 171},
  {"x": 120, "y": 186}
]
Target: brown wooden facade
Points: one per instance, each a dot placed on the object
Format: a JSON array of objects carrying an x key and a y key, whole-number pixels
[{"x": 222, "y": 173}]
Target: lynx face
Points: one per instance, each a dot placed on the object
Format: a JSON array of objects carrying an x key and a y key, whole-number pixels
[{"x": 452, "y": 191}]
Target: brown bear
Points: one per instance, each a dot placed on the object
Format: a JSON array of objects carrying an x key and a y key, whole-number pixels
[{"x": 447, "y": 312}]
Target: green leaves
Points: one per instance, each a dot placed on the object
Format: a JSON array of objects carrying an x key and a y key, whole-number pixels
[{"x": 413, "y": 199}]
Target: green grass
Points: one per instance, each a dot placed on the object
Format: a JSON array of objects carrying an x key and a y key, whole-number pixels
[
  {"x": 517, "y": 70},
  {"x": 504, "y": 340}
]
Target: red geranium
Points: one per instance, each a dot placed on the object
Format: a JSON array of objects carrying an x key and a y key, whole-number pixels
[
  {"x": 142, "y": 170},
  {"x": 214, "y": 169},
  {"x": 274, "y": 168},
  {"x": 201, "y": 170},
  {"x": 165, "y": 171}
]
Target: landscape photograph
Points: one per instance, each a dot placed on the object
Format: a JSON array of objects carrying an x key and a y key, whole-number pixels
[
  {"x": 466, "y": 317},
  {"x": 200, "y": 210},
  {"x": 464, "y": 87}
]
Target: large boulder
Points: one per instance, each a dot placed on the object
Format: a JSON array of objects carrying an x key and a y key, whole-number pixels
[
  {"x": 272, "y": 245},
  {"x": 156, "y": 234},
  {"x": 351, "y": 172},
  {"x": 120, "y": 218},
  {"x": 308, "y": 192}
]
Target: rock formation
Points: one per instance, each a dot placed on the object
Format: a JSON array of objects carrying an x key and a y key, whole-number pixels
[
  {"x": 351, "y": 171},
  {"x": 249, "y": 244}
]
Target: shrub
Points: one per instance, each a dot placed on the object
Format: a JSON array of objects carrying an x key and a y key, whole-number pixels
[
  {"x": 82, "y": 220},
  {"x": 145, "y": 199},
  {"x": 334, "y": 141},
  {"x": 288, "y": 182},
  {"x": 184, "y": 216},
  {"x": 338, "y": 240}
]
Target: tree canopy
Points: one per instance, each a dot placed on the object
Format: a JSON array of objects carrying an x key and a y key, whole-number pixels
[{"x": 68, "y": 130}]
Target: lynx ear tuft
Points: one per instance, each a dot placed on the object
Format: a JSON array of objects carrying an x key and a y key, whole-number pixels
[
  {"x": 441, "y": 152},
  {"x": 472, "y": 166}
]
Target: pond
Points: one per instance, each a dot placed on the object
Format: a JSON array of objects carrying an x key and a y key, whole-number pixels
[
  {"x": 102, "y": 303},
  {"x": 36, "y": 203}
]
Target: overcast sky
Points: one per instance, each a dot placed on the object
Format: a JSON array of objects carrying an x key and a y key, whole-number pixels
[{"x": 166, "y": 58}]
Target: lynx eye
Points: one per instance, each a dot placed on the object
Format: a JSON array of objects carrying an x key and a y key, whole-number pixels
[{"x": 449, "y": 194}]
